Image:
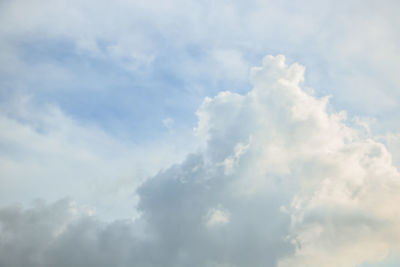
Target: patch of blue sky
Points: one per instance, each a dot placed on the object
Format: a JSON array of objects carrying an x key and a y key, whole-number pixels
[{"x": 104, "y": 92}]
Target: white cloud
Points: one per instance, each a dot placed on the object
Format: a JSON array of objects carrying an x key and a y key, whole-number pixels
[
  {"x": 335, "y": 183},
  {"x": 279, "y": 181},
  {"x": 217, "y": 217}
]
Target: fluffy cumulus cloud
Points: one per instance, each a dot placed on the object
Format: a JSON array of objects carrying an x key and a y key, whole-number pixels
[{"x": 281, "y": 179}]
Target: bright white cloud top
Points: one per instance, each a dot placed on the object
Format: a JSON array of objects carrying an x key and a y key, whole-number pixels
[
  {"x": 279, "y": 181},
  {"x": 139, "y": 133}
]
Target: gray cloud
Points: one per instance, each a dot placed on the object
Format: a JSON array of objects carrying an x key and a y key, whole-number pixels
[{"x": 172, "y": 230}]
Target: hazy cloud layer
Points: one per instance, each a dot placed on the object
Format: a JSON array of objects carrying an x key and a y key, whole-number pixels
[
  {"x": 279, "y": 181},
  {"x": 46, "y": 153}
]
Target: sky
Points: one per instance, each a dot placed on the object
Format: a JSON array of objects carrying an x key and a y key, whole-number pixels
[{"x": 199, "y": 133}]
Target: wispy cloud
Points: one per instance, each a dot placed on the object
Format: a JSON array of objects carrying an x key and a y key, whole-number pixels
[{"x": 47, "y": 154}]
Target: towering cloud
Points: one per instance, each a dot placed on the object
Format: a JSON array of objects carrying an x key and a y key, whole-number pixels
[{"x": 279, "y": 181}]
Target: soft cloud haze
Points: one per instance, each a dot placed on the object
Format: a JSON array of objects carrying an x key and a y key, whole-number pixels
[{"x": 157, "y": 133}]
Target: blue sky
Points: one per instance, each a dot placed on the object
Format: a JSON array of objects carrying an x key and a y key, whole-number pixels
[{"x": 104, "y": 105}]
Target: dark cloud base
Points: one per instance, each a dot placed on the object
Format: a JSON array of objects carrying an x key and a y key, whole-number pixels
[{"x": 171, "y": 231}]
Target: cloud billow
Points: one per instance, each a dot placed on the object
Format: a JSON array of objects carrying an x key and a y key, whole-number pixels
[{"x": 279, "y": 181}]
